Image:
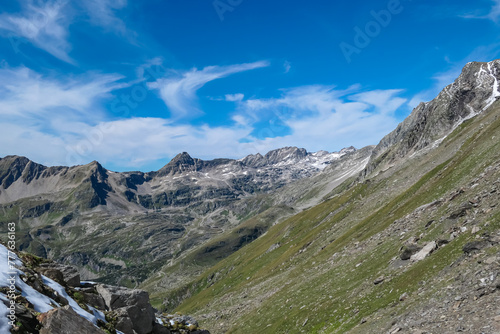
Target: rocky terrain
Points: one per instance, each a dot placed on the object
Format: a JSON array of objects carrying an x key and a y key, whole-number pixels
[
  {"x": 410, "y": 245},
  {"x": 45, "y": 297},
  {"x": 402, "y": 237},
  {"x": 121, "y": 227}
]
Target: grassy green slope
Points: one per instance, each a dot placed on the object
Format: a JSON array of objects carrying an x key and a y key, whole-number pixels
[{"x": 314, "y": 272}]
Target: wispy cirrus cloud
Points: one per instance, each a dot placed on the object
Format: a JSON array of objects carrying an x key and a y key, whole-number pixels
[
  {"x": 493, "y": 14},
  {"x": 44, "y": 24},
  {"x": 234, "y": 97},
  {"x": 26, "y": 93},
  {"x": 57, "y": 122},
  {"x": 103, "y": 13},
  {"x": 319, "y": 117},
  {"x": 179, "y": 91},
  {"x": 385, "y": 101},
  {"x": 42, "y": 115}
]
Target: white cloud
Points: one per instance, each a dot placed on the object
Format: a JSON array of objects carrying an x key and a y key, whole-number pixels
[
  {"x": 234, "y": 97},
  {"x": 103, "y": 13},
  {"x": 383, "y": 100},
  {"x": 26, "y": 93},
  {"x": 493, "y": 14},
  {"x": 320, "y": 117},
  {"x": 287, "y": 66},
  {"x": 44, "y": 24},
  {"x": 40, "y": 115},
  {"x": 60, "y": 122},
  {"x": 179, "y": 93}
]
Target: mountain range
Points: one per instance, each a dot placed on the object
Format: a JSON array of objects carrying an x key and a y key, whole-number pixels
[{"x": 402, "y": 237}]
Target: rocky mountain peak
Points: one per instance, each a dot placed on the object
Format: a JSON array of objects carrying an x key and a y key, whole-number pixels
[
  {"x": 472, "y": 93},
  {"x": 347, "y": 150},
  {"x": 97, "y": 168},
  {"x": 254, "y": 160},
  {"x": 13, "y": 167},
  {"x": 285, "y": 154},
  {"x": 182, "y": 158},
  {"x": 182, "y": 162}
]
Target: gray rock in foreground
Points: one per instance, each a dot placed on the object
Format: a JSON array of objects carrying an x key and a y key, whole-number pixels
[
  {"x": 132, "y": 307},
  {"x": 65, "y": 320}
]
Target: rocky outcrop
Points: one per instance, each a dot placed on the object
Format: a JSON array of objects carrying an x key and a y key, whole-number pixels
[
  {"x": 181, "y": 163},
  {"x": 49, "y": 299},
  {"x": 472, "y": 93},
  {"x": 131, "y": 307},
  {"x": 66, "y": 320}
]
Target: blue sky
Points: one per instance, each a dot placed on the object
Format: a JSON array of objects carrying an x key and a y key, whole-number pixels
[{"x": 133, "y": 83}]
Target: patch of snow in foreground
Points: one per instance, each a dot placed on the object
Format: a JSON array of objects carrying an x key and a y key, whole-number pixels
[
  {"x": 98, "y": 314},
  {"x": 4, "y": 321},
  {"x": 74, "y": 305},
  {"x": 40, "y": 302}
]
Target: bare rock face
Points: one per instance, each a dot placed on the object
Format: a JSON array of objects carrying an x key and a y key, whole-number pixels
[
  {"x": 65, "y": 320},
  {"x": 132, "y": 308},
  {"x": 472, "y": 93}
]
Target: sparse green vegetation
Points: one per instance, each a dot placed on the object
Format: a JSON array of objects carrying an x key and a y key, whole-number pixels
[{"x": 316, "y": 280}]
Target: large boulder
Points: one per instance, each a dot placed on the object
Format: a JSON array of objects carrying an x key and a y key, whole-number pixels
[
  {"x": 52, "y": 273},
  {"x": 424, "y": 252},
  {"x": 476, "y": 245},
  {"x": 65, "y": 320},
  {"x": 408, "y": 251},
  {"x": 123, "y": 321},
  {"x": 116, "y": 297},
  {"x": 94, "y": 300},
  {"x": 132, "y": 304}
]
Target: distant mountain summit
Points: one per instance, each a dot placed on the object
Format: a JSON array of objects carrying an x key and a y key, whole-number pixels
[
  {"x": 183, "y": 195},
  {"x": 472, "y": 93}
]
